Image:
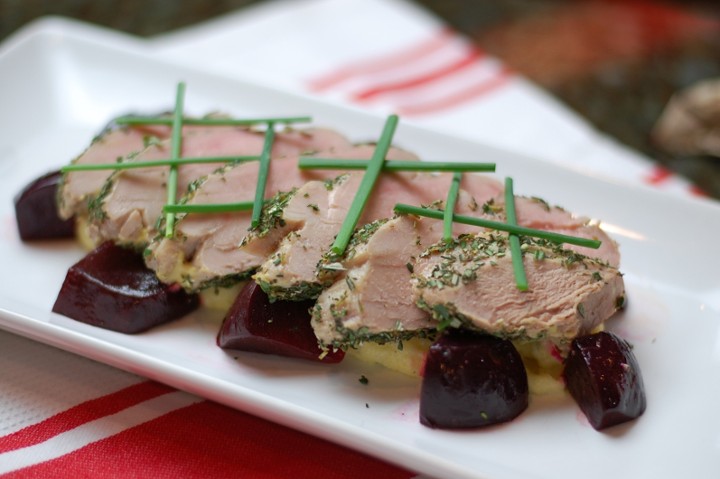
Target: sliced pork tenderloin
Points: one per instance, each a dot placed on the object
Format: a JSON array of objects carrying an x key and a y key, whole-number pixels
[
  {"x": 369, "y": 300},
  {"x": 372, "y": 298},
  {"x": 533, "y": 212},
  {"x": 113, "y": 144},
  {"x": 131, "y": 201},
  {"x": 298, "y": 270},
  {"x": 470, "y": 283},
  {"x": 219, "y": 249}
]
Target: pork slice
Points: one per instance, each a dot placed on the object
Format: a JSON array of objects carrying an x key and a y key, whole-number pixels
[
  {"x": 109, "y": 146},
  {"x": 211, "y": 249},
  {"x": 292, "y": 271},
  {"x": 219, "y": 248},
  {"x": 131, "y": 201},
  {"x": 533, "y": 212},
  {"x": 371, "y": 298},
  {"x": 470, "y": 283}
]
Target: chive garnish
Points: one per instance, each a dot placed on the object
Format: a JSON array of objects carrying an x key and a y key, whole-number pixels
[
  {"x": 392, "y": 165},
  {"x": 210, "y": 207},
  {"x": 127, "y": 165},
  {"x": 142, "y": 120},
  {"x": 175, "y": 149},
  {"x": 369, "y": 179},
  {"x": 497, "y": 225},
  {"x": 515, "y": 251},
  {"x": 176, "y": 121},
  {"x": 450, "y": 206},
  {"x": 262, "y": 175}
]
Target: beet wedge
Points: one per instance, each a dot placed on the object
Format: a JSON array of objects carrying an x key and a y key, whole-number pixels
[
  {"x": 255, "y": 324},
  {"x": 36, "y": 210},
  {"x": 603, "y": 377},
  {"x": 113, "y": 289},
  {"x": 471, "y": 381}
]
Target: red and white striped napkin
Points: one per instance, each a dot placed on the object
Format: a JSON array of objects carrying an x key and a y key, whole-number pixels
[
  {"x": 390, "y": 56},
  {"x": 66, "y": 416}
]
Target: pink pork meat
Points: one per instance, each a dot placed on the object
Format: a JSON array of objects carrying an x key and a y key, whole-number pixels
[
  {"x": 131, "y": 201},
  {"x": 219, "y": 249}
]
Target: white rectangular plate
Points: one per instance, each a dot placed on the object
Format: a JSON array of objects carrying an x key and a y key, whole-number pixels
[{"x": 58, "y": 87}]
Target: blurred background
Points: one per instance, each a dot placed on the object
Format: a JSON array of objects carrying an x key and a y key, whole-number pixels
[{"x": 615, "y": 62}]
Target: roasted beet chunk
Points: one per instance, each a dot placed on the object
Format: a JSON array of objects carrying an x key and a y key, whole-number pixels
[
  {"x": 472, "y": 380},
  {"x": 111, "y": 288},
  {"x": 282, "y": 327},
  {"x": 603, "y": 376},
  {"x": 36, "y": 210}
]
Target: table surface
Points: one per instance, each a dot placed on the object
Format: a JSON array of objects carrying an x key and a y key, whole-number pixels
[{"x": 615, "y": 62}]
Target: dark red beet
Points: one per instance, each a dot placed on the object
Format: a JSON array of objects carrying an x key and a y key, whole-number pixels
[
  {"x": 472, "y": 380},
  {"x": 282, "y": 327},
  {"x": 111, "y": 288},
  {"x": 36, "y": 210},
  {"x": 603, "y": 376}
]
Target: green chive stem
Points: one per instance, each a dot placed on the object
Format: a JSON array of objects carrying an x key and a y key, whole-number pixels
[
  {"x": 496, "y": 225},
  {"x": 142, "y": 120},
  {"x": 367, "y": 184},
  {"x": 392, "y": 165},
  {"x": 210, "y": 207},
  {"x": 515, "y": 251},
  {"x": 262, "y": 175},
  {"x": 175, "y": 150},
  {"x": 147, "y": 164},
  {"x": 450, "y": 206}
]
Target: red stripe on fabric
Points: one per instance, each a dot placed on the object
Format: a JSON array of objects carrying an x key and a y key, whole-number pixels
[
  {"x": 385, "y": 62},
  {"x": 81, "y": 414},
  {"x": 697, "y": 191},
  {"x": 472, "y": 56},
  {"x": 209, "y": 440},
  {"x": 457, "y": 98},
  {"x": 658, "y": 175}
]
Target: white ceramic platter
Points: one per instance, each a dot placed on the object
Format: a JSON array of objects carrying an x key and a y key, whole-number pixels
[{"x": 59, "y": 86}]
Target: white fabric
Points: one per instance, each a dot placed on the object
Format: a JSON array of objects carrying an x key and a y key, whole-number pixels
[
  {"x": 292, "y": 43},
  {"x": 37, "y": 381}
]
